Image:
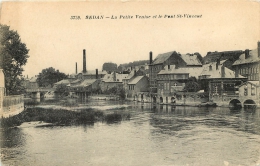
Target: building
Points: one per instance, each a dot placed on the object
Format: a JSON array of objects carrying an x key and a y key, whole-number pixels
[
  {"x": 92, "y": 74},
  {"x": 9, "y": 105},
  {"x": 248, "y": 64},
  {"x": 220, "y": 83},
  {"x": 137, "y": 87},
  {"x": 112, "y": 80},
  {"x": 229, "y": 56},
  {"x": 171, "y": 82},
  {"x": 249, "y": 94},
  {"x": 131, "y": 75},
  {"x": 167, "y": 59}
]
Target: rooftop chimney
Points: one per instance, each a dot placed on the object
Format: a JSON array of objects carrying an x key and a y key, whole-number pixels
[
  {"x": 96, "y": 73},
  {"x": 236, "y": 72},
  {"x": 217, "y": 64},
  {"x": 258, "y": 48},
  {"x": 76, "y": 68},
  {"x": 246, "y": 53},
  {"x": 151, "y": 57},
  {"x": 114, "y": 76},
  {"x": 84, "y": 61},
  {"x": 222, "y": 71}
]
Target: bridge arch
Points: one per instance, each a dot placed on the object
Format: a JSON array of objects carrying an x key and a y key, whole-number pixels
[
  {"x": 235, "y": 103},
  {"x": 249, "y": 103}
]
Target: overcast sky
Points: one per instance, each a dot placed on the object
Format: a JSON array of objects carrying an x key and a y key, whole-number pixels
[{"x": 57, "y": 41}]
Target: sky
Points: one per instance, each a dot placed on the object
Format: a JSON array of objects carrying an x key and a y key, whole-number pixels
[{"x": 56, "y": 40}]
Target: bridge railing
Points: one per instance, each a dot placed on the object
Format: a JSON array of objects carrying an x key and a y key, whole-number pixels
[{"x": 39, "y": 89}]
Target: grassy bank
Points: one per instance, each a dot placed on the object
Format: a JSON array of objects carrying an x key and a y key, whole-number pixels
[{"x": 63, "y": 117}]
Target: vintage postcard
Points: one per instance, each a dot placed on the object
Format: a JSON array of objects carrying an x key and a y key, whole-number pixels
[{"x": 130, "y": 83}]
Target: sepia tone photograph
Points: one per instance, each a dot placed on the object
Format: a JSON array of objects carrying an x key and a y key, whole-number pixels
[{"x": 130, "y": 83}]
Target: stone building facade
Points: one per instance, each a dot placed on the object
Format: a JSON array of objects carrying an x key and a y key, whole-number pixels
[{"x": 248, "y": 64}]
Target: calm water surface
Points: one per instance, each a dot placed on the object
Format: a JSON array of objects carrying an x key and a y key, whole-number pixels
[{"x": 158, "y": 135}]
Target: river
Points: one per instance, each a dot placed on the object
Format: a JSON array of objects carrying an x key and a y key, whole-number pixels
[{"x": 154, "y": 135}]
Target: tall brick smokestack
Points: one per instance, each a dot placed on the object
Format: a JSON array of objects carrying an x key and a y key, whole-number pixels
[
  {"x": 151, "y": 57},
  {"x": 76, "y": 68},
  {"x": 84, "y": 61},
  {"x": 258, "y": 48},
  {"x": 96, "y": 73}
]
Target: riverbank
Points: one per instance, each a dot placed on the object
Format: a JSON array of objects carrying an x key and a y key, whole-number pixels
[{"x": 63, "y": 117}]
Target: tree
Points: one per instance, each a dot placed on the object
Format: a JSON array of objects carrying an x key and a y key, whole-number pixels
[
  {"x": 49, "y": 76},
  {"x": 109, "y": 67},
  {"x": 192, "y": 85},
  {"x": 14, "y": 55}
]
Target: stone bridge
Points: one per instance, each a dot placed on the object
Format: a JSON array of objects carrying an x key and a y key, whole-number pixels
[
  {"x": 36, "y": 93},
  {"x": 237, "y": 101}
]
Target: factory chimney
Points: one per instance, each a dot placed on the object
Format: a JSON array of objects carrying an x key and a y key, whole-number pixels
[
  {"x": 84, "y": 61},
  {"x": 246, "y": 53},
  {"x": 96, "y": 73},
  {"x": 151, "y": 57},
  {"x": 258, "y": 48},
  {"x": 76, "y": 68}
]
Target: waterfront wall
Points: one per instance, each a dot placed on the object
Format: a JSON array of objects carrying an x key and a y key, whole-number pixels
[{"x": 12, "y": 105}]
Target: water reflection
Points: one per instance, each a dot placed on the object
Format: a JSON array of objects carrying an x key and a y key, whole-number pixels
[
  {"x": 141, "y": 134},
  {"x": 12, "y": 138}
]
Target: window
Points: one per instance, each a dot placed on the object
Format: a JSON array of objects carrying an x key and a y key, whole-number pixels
[
  {"x": 252, "y": 90},
  {"x": 245, "y": 90}
]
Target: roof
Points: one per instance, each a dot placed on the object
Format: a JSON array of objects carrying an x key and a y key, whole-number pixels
[
  {"x": 87, "y": 82},
  {"x": 253, "y": 57},
  {"x": 93, "y": 72},
  {"x": 130, "y": 75},
  {"x": 72, "y": 75},
  {"x": 191, "y": 59},
  {"x": 84, "y": 83},
  {"x": 216, "y": 73},
  {"x": 192, "y": 71},
  {"x": 33, "y": 79},
  {"x": 76, "y": 81},
  {"x": 65, "y": 81},
  {"x": 256, "y": 83},
  {"x": 162, "y": 57},
  {"x": 136, "y": 80},
  {"x": 110, "y": 77},
  {"x": 224, "y": 55}
]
